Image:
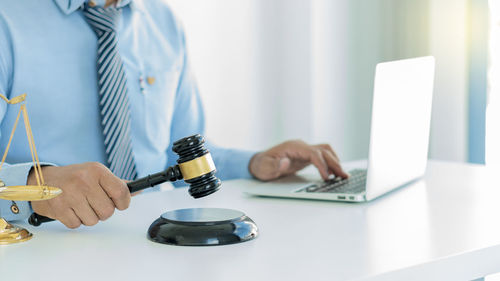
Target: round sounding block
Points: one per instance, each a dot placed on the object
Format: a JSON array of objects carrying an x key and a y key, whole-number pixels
[{"x": 202, "y": 227}]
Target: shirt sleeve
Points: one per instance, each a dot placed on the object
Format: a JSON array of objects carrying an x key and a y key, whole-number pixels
[
  {"x": 189, "y": 119},
  {"x": 10, "y": 174}
]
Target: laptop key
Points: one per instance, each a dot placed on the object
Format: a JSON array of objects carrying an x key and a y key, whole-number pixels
[{"x": 354, "y": 184}]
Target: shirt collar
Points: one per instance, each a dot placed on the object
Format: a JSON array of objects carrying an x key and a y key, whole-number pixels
[{"x": 69, "y": 6}]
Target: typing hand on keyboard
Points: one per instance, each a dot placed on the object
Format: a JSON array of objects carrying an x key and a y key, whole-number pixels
[
  {"x": 292, "y": 156},
  {"x": 354, "y": 184}
]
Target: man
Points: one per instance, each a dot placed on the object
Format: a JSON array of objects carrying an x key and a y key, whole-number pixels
[{"x": 109, "y": 90}]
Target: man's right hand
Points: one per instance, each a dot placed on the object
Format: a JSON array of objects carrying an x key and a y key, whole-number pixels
[{"x": 90, "y": 193}]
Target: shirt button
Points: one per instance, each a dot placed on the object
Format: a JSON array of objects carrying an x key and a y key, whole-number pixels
[{"x": 142, "y": 85}]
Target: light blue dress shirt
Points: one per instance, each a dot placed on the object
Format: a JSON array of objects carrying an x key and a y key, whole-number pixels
[{"x": 48, "y": 51}]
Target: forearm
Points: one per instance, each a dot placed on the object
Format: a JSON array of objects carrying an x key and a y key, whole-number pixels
[{"x": 231, "y": 163}]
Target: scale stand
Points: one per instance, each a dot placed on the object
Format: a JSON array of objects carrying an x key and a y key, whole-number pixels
[{"x": 10, "y": 234}]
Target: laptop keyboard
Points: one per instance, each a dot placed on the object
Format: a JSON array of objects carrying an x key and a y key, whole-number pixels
[{"x": 354, "y": 184}]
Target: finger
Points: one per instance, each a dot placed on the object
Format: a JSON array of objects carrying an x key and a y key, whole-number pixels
[
  {"x": 116, "y": 189},
  {"x": 102, "y": 205},
  {"x": 333, "y": 164},
  {"x": 316, "y": 158},
  {"x": 57, "y": 207},
  {"x": 136, "y": 193},
  {"x": 70, "y": 219},
  {"x": 284, "y": 165},
  {"x": 330, "y": 149},
  {"x": 86, "y": 214}
]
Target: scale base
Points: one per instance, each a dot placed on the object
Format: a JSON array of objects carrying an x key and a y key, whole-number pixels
[
  {"x": 202, "y": 227},
  {"x": 10, "y": 234}
]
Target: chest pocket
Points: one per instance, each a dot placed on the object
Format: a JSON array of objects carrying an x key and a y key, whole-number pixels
[{"x": 159, "y": 87}]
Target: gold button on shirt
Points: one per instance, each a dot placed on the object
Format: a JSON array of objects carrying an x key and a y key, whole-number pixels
[{"x": 151, "y": 80}]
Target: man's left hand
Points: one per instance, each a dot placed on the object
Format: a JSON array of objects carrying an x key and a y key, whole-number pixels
[{"x": 292, "y": 156}]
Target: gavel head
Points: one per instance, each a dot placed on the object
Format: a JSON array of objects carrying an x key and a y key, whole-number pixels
[{"x": 196, "y": 166}]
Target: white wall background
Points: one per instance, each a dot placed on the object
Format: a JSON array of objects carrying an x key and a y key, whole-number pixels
[
  {"x": 448, "y": 43},
  {"x": 271, "y": 70},
  {"x": 493, "y": 109}
]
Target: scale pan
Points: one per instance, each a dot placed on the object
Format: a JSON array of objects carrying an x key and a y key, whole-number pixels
[{"x": 28, "y": 192}]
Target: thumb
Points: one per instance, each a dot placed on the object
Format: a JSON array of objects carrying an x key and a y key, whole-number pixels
[{"x": 284, "y": 165}]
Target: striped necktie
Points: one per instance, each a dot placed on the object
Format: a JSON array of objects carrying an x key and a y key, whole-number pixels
[{"x": 114, "y": 103}]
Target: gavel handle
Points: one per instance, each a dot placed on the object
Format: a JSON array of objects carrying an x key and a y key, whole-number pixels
[{"x": 171, "y": 174}]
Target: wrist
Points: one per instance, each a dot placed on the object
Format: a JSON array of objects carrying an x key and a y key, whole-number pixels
[
  {"x": 31, "y": 180},
  {"x": 253, "y": 165}
]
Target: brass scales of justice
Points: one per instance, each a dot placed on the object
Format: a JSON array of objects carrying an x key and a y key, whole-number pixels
[{"x": 9, "y": 233}]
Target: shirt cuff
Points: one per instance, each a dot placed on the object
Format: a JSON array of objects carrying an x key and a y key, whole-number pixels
[
  {"x": 232, "y": 163},
  {"x": 16, "y": 174}
]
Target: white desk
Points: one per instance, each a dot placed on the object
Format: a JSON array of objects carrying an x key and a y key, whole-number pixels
[{"x": 444, "y": 228}]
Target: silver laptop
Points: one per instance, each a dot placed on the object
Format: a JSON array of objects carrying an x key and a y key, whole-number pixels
[{"x": 399, "y": 140}]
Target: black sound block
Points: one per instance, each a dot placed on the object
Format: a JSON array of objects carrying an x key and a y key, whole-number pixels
[{"x": 202, "y": 227}]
